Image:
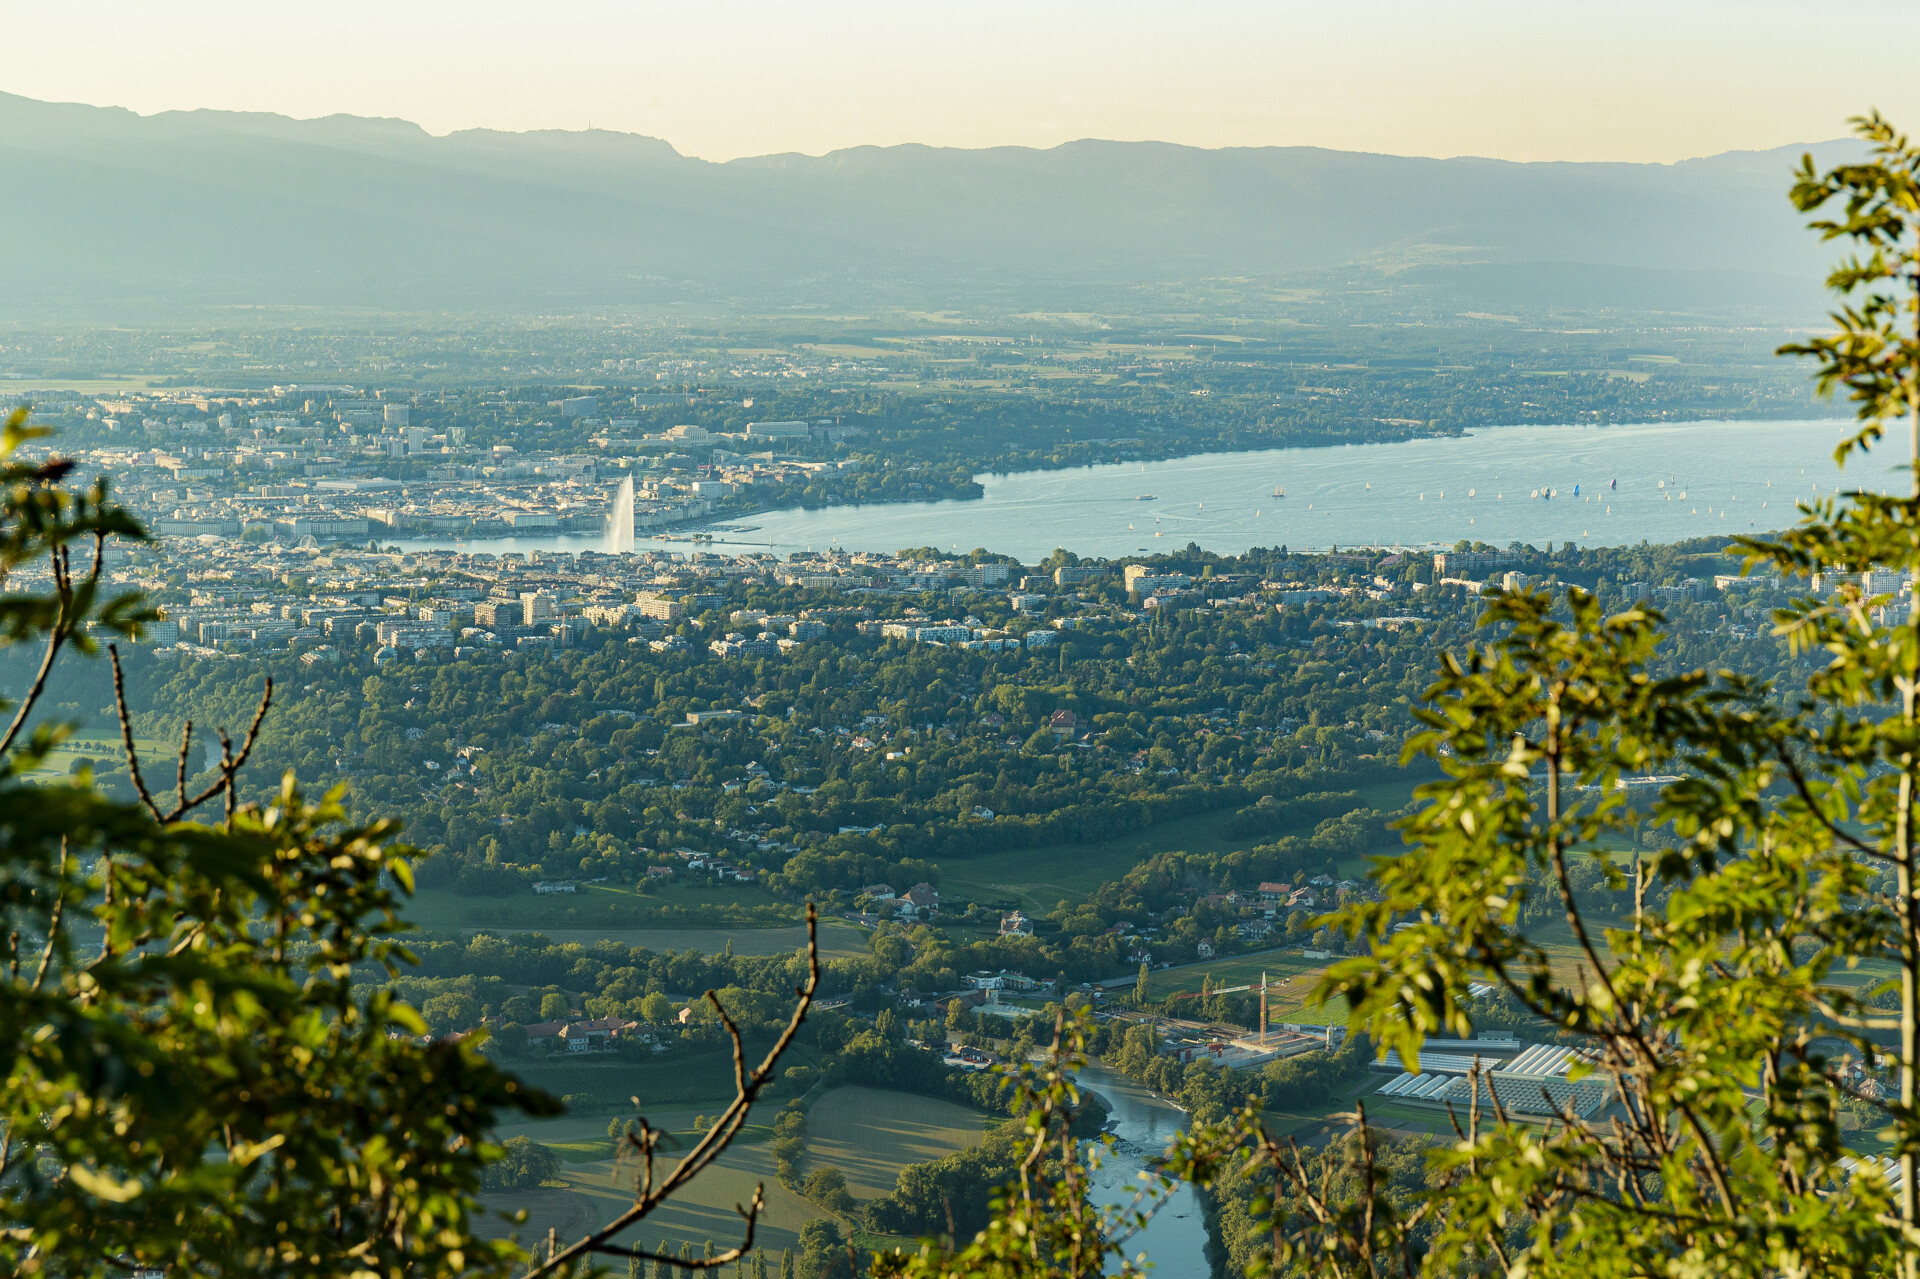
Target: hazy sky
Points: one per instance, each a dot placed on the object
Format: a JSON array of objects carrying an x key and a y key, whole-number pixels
[{"x": 1539, "y": 79}]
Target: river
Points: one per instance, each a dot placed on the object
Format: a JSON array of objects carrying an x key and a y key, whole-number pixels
[
  {"x": 1610, "y": 485},
  {"x": 1175, "y": 1240}
]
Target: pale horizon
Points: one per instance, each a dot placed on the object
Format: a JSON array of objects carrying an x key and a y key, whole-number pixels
[{"x": 1637, "y": 82}]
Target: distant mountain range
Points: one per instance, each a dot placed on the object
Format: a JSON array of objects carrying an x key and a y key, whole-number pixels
[{"x": 102, "y": 209}]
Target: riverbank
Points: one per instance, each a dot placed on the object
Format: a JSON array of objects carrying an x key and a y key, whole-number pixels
[{"x": 1142, "y": 1124}]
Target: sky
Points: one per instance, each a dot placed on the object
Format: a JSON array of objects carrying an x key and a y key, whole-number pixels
[{"x": 1634, "y": 80}]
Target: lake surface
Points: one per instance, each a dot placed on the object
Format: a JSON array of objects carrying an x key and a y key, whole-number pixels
[
  {"x": 1175, "y": 1240},
  {"x": 1608, "y": 485}
]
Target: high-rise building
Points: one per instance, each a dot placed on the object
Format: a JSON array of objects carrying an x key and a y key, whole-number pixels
[
  {"x": 538, "y": 606},
  {"x": 658, "y": 607}
]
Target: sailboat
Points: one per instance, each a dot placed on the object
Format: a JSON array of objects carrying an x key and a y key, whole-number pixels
[{"x": 1276, "y": 490}]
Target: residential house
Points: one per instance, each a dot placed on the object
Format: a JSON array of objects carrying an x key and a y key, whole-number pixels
[
  {"x": 596, "y": 1033},
  {"x": 1016, "y": 925},
  {"x": 919, "y": 902}
]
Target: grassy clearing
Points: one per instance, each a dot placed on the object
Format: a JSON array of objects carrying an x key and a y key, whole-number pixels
[
  {"x": 593, "y": 1192},
  {"x": 443, "y": 911},
  {"x": 838, "y": 939},
  {"x": 612, "y": 904},
  {"x": 675, "y": 1081},
  {"x": 1282, "y": 965},
  {"x": 706, "y": 1210},
  {"x": 1314, "y": 1126},
  {"x": 612, "y": 912},
  {"x": 1038, "y": 878},
  {"x": 107, "y": 752},
  {"x": 561, "y": 1209},
  {"x": 594, "y": 1189},
  {"x": 684, "y": 1136},
  {"x": 871, "y": 1134}
]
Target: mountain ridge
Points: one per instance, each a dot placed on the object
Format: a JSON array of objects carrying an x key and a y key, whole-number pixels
[{"x": 102, "y": 206}]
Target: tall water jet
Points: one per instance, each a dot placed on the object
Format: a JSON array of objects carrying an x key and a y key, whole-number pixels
[{"x": 619, "y": 539}]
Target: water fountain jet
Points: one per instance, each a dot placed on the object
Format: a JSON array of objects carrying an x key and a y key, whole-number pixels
[{"x": 619, "y": 538}]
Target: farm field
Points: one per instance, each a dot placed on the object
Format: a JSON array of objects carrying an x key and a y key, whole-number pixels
[
  {"x": 681, "y": 1127},
  {"x": 594, "y": 1192},
  {"x": 871, "y": 1134},
  {"x": 156, "y": 759},
  {"x": 677, "y": 1082},
  {"x": 1282, "y": 964},
  {"x": 617, "y": 905},
  {"x": 1037, "y": 878},
  {"x": 607, "y": 912},
  {"x": 838, "y": 938}
]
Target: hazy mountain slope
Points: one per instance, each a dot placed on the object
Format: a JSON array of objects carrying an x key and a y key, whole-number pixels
[{"x": 102, "y": 207}]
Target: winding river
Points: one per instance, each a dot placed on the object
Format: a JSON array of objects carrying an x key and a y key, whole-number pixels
[{"x": 1175, "y": 1240}]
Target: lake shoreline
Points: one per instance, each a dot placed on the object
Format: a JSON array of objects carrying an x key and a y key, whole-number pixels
[{"x": 1593, "y": 484}]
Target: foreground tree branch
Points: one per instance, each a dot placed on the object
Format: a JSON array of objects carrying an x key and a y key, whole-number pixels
[{"x": 748, "y": 1085}]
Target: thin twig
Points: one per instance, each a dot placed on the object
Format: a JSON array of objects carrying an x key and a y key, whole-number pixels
[
  {"x": 180, "y": 768},
  {"x": 230, "y": 763},
  {"x": 56, "y": 639},
  {"x": 53, "y": 921},
  {"x": 126, "y": 733}
]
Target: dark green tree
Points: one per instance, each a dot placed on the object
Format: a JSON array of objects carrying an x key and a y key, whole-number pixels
[{"x": 194, "y": 1078}]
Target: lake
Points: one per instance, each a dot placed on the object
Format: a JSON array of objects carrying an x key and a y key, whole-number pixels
[{"x": 1598, "y": 485}]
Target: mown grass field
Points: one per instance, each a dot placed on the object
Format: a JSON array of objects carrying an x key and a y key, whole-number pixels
[
  {"x": 681, "y": 1134},
  {"x": 868, "y": 1133},
  {"x": 1038, "y": 878},
  {"x": 591, "y": 902},
  {"x": 595, "y": 1192},
  {"x": 572, "y": 918},
  {"x": 1282, "y": 964},
  {"x": 871, "y": 1134},
  {"x": 106, "y": 749},
  {"x": 675, "y": 1081}
]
